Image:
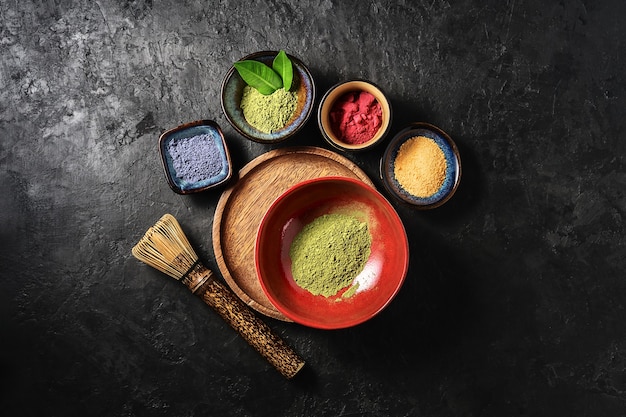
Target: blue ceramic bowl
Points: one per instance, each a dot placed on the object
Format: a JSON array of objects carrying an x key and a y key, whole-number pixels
[
  {"x": 195, "y": 157},
  {"x": 232, "y": 89},
  {"x": 452, "y": 173}
]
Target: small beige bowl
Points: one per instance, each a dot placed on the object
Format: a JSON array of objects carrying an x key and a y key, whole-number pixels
[{"x": 337, "y": 91}]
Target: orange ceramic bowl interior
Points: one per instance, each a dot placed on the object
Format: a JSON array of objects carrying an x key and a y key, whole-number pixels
[{"x": 381, "y": 277}]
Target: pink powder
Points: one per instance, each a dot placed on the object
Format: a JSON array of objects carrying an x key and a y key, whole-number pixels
[{"x": 356, "y": 117}]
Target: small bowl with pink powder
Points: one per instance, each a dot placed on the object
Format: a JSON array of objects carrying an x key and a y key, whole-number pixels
[
  {"x": 195, "y": 157},
  {"x": 354, "y": 115}
]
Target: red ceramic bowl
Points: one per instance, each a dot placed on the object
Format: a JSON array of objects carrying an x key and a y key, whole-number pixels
[{"x": 384, "y": 271}]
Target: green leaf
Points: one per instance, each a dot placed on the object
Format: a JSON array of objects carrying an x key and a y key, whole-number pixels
[
  {"x": 282, "y": 65},
  {"x": 258, "y": 75}
]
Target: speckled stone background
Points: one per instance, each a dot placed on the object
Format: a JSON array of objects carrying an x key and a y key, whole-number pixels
[{"x": 514, "y": 304}]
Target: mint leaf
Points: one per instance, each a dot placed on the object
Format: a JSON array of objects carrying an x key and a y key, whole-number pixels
[
  {"x": 258, "y": 75},
  {"x": 283, "y": 67}
]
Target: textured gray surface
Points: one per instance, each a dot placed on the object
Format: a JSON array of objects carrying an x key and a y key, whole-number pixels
[{"x": 514, "y": 302}]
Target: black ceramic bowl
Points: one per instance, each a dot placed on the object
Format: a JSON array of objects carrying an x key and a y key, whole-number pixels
[
  {"x": 195, "y": 157},
  {"x": 452, "y": 173},
  {"x": 232, "y": 89}
]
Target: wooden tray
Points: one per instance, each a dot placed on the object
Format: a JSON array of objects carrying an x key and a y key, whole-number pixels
[{"x": 242, "y": 206}]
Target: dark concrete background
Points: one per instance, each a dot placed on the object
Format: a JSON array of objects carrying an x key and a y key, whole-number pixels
[{"x": 514, "y": 304}]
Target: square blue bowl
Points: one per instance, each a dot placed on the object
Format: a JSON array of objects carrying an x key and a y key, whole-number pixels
[{"x": 195, "y": 157}]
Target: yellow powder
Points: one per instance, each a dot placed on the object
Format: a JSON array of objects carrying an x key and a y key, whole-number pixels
[{"x": 420, "y": 166}]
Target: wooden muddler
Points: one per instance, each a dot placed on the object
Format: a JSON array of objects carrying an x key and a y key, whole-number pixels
[
  {"x": 201, "y": 281},
  {"x": 166, "y": 248}
]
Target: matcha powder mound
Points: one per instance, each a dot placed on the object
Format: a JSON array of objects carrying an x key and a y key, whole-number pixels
[
  {"x": 329, "y": 253},
  {"x": 268, "y": 113}
]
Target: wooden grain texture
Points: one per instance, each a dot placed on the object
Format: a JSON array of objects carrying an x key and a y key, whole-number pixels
[
  {"x": 242, "y": 206},
  {"x": 259, "y": 335}
]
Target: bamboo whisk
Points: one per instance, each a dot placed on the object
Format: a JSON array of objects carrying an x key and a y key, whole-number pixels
[{"x": 166, "y": 248}]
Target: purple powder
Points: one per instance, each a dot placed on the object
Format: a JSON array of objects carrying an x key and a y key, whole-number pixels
[{"x": 196, "y": 158}]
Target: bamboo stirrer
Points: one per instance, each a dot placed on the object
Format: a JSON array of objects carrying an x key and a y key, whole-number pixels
[{"x": 166, "y": 248}]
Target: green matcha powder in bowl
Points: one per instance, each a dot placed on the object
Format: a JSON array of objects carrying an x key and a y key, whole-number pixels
[
  {"x": 232, "y": 96},
  {"x": 268, "y": 113},
  {"x": 329, "y": 253}
]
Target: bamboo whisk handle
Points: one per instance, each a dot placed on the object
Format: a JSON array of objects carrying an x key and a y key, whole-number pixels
[{"x": 201, "y": 281}]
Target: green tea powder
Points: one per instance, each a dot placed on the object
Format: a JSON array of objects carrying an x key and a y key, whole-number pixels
[
  {"x": 329, "y": 253},
  {"x": 268, "y": 113}
]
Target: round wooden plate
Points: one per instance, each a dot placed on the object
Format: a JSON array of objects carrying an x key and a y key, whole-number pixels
[{"x": 241, "y": 207}]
